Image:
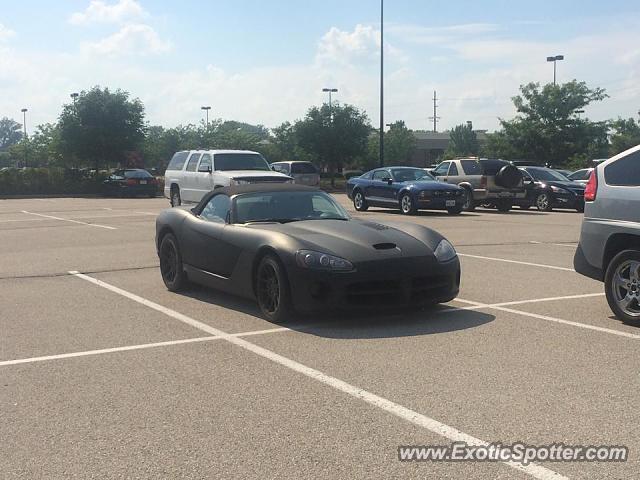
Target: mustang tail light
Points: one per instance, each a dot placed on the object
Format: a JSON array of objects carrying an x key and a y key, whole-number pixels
[{"x": 591, "y": 189}]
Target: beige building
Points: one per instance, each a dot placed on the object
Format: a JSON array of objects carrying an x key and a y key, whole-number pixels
[{"x": 430, "y": 146}]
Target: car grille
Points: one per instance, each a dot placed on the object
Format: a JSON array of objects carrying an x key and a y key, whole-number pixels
[
  {"x": 246, "y": 180},
  {"x": 446, "y": 193},
  {"x": 396, "y": 292}
]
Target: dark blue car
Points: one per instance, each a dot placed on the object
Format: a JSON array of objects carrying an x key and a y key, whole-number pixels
[{"x": 409, "y": 189}]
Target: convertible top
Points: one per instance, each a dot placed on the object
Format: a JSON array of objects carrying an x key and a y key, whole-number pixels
[{"x": 253, "y": 188}]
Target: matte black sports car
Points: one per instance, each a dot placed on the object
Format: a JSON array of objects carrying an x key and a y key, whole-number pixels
[
  {"x": 292, "y": 247},
  {"x": 406, "y": 188}
]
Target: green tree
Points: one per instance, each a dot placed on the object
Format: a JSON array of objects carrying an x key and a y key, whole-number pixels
[
  {"x": 462, "y": 142},
  {"x": 548, "y": 127},
  {"x": 101, "y": 127},
  {"x": 626, "y": 134},
  {"x": 399, "y": 144},
  {"x": 10, "y": 133},
  {"x": 334, "y": 136}
]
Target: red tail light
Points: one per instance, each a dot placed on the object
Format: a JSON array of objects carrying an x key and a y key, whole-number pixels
[
  {"x": 131, "y": 181},
  {"x": 483, "y": 182},
  {"x": 591, "y": 189}
]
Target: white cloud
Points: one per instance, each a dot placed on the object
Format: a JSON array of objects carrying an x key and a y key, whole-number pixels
[
  {"x": 5, "y": 33},
  {"x": 361, "y": 44},
  {"x": 133, "y": 39},
  {"x": 99, "y": 11}
]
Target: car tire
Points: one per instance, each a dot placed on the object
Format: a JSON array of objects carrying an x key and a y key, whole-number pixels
[
  {"x": 508, "y": 177},
  {"x": 176, "y": 201},
  {"x": 407, "y": 205},
  {"x": 580, "y": 209},
  {"x": 454, "y": 210},
  {"x": 171, "y": 267},
  {"x": 272, "y": 290},
  {"x": 543, "y": 202},
  {"x": 359, "y": 202},
  {"x": 620, "y": 286},
  {"x": 504, "y": 205},
  {"x": 469, "y": 204}
]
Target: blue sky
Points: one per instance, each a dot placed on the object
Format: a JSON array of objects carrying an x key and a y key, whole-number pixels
[{"x": 266, "y": 62}]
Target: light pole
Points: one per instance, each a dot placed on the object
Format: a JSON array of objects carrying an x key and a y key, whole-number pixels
[
  {"x": 206, "y": 109},
  {"x": 330, "y": 91},
  {"x": 381, "y": 153},
  {"x": 74, "y": 96},
  {"x": 555, "y": 59},
  {"x": 24, "y": 126}
]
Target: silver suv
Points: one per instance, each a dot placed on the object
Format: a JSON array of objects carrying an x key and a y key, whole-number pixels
[
  {"x": 609, "y": 248},
  {"x": 491, "y": 183}
]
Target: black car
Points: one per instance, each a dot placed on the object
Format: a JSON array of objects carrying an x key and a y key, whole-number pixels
[
  {"x": 130, "y": 182},
  {"x": 548, "y": 189},
  {"x": 294, "y": 248},
  {"x": 406, "y": 188}
]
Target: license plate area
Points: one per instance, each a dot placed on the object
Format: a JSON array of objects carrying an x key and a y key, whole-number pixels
[
  {"x": 143, "y": 182},
  {"x": 450, "y": 203}
]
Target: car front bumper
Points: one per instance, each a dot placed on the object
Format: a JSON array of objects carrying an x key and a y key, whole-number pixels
[{"x": 375, "y": 285}]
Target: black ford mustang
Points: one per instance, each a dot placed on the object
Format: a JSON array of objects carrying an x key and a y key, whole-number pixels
[{"x": 292, "y": 247}]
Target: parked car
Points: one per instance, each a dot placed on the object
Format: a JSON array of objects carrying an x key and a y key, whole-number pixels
[
  {"x": 409, "y": 189},
  {"x": 303, "y": 173},
  {"x": 486, "y": 182},
  {"x": 581, "y": 176},
  {"x": 609, "y": 247},
  {"x": 294, "y": 248},
  {"x": 192, "y": 174},
  {"x": 548, "y": 189},
  {"x": 130, "y": 182}
]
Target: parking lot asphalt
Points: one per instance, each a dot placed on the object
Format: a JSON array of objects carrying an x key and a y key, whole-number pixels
[{"x": 106, "y": 374}]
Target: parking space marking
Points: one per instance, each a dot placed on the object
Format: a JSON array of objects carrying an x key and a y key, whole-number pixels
[
  {"x": 72, "y": 221},
  {"x": 586, "y": 326},
  {"x": 439, "y": 428},
  {"x": 533, "y": 300},
  {"x": 24, "y": 220},
  {"x": 137, "y": 347},
  {"x": 564, "y": 269}
]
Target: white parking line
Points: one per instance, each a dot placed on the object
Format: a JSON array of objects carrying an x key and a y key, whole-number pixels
[
  {"x": 564, "y": 269},
  {"x": 439, "y": 428},
  {"x": 72, "y": 221},
  {"x": 136, "y": 347},
  {"x": 24, "y": 220},
  {"x": 586, "y": 326},
  {"x": 480, "y": 306}
]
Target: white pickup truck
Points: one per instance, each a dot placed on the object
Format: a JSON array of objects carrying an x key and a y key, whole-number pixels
[{"x": 192, "y": 173}]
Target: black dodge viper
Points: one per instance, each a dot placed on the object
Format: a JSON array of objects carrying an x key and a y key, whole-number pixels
[{"x": 294, "y": 248}]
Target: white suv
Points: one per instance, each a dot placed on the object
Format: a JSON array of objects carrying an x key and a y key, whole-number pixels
[{"x": 192, "y": 173}]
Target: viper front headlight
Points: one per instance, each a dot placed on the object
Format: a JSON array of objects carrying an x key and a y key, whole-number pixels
[
  {"x": 322, "y": 261},
  {"x": 445, "y": 251}
]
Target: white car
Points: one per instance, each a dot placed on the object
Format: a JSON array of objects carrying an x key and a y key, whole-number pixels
[{"x": 193, "y": 173}]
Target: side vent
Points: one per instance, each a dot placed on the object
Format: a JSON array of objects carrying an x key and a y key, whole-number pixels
[{"x": 384, "y": 246}]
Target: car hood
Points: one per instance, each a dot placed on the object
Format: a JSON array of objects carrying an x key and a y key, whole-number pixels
[
  {"x": 354, "y": 240},
  {"x": 253, "y": 174},
  {"x": 431, "y": 185},
  {"x": 569, "y": 185}
]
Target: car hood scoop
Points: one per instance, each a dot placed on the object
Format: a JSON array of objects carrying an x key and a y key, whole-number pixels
[{"x": 385, "y": 246}]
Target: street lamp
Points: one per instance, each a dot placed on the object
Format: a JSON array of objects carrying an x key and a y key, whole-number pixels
[
  {"x": 555, "y": 59},
  {"x": 24, "y": 125},
  {"x": 381, "y": 133},
  {"x": 330, "y": 91},
  {"x": 206, "y": 109},
  {"x": 74, "y": 96}
]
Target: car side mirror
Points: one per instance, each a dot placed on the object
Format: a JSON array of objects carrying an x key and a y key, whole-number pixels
[
  {"x": 205, "y": 169},
  {"x": 389, "y": 181},
  {"x": 528, "y": 181}
]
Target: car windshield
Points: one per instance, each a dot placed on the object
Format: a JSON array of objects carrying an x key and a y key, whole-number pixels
[
  {"x": 546, "y": 175},
  {"x": 411, "y": 174},
  {"x": 240, "y": 161},
  {"x": 286, "y": 207}
]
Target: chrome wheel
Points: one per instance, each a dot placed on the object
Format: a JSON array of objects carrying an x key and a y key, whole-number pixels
[
  {"x": 543, "y": 202},
  {"x": 625, "y": 287},
  {"x": 175, "y": 198},
  {"x": 358, "y": 200},
  {"x": 406, "y": 205}
]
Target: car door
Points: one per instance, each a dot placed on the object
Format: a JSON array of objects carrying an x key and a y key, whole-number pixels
[
  {"x": 619, "y": 197},
  {"x": 206, "y": 240},
  {"x": 379, "y": 182},
  {"x": 204, "y": 176},
  {"x": 453, "y": 176},
  {"x": 441, "y": 172},
  {"x": 188, "y": 188}
]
